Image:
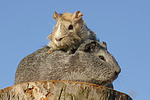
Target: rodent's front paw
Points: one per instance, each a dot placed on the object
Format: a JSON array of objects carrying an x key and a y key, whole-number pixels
[{"x": 50, "y": 51}]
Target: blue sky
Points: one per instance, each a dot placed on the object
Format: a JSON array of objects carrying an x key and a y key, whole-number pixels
[{"x": 123, "y": 24}]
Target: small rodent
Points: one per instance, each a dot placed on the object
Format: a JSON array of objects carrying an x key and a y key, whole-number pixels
[
  {"x": 69, "y": 32},
  {"x": 91, "y": 63}
]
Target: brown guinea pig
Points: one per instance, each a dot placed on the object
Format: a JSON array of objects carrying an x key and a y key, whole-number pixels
[{"x": 69, "y": 32}]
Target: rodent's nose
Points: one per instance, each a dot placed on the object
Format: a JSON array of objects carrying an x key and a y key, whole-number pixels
[
  {"x": 118, "y": 71},
  {"x": 59, "y": 39}
]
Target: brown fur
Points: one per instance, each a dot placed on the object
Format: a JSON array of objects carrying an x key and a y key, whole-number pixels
[{"x": 63, "y": 38}]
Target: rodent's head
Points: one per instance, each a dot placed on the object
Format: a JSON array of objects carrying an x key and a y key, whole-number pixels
[
  {"x": 102, "y": 66},
  {"x": 69, "y": 29}
]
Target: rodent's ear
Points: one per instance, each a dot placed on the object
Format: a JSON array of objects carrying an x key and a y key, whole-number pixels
[
  {"x": 77, "y": 16},
  {"x": 89, "y": 46},
  {"x": 104, "y": 45},
  {"x": 55, "y": 15},
  {"x": 92, "y": 46}
]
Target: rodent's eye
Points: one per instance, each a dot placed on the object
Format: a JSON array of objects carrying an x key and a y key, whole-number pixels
[
  {"x": 70, "y": 27},
  {"x": 102, "y": 57}
]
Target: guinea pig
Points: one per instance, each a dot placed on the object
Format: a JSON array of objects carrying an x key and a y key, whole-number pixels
[{"x": 69, "y": 32}]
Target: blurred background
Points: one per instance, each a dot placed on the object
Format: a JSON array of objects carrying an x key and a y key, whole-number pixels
[{"x": 123, "y": 24}]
